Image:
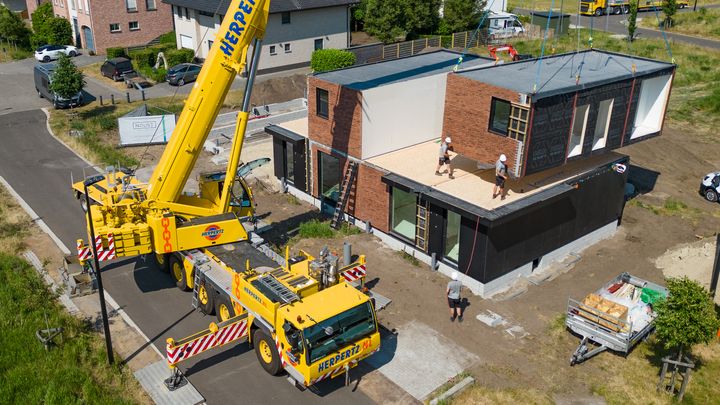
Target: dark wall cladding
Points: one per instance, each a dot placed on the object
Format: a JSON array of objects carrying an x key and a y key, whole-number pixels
[
  {"x": 551, "y": 121},
  {"x": 501, "y": 248},
  {"x": 620, "y": 93},
  {"x": 473, "y": 246}
]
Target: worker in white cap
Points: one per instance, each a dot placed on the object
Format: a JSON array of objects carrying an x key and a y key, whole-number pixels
[
  {"x": 501, "y": 175},
  {"x": 444, "y": 158},
  {"x": 453, "y": 297}
]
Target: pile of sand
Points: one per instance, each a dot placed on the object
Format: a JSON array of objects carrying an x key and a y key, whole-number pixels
[{"x": 694, "y": 260}]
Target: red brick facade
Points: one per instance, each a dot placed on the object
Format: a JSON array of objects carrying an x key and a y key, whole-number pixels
[
  {"x": 32, "y": 5},
  {"x": 467, "y": 119},
  {"x": 342, "y": 129},
  {"x": 369, "y": 198},
  {"x": 151, "y": 23}
]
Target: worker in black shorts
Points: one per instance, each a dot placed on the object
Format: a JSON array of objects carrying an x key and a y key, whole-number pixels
[
  {"x": 453, "y": 297},
  {"x": 444, "y": 158},
  {"x": 500, "y": 177}
]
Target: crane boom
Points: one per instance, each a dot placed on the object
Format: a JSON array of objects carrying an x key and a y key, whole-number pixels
[{"x": 245, "y": 21}]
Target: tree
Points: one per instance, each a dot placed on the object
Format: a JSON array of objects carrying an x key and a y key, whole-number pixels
[
  {"x": 461, "y": 15},
  {"x": 49, "y": 29},
  {"x": 632, "y": 20},
  {"x": 67, "y": 80},
  {"x": 358, "y": 15},
  {"x": 669, "y": 8},
  {"x": 686, "y": 317},
  {"x": 389, "y": 20},
  {"x": 12, "y": 28}
]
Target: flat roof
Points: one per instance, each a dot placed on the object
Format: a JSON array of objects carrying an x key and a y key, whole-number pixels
[
  {"x": 378, "y": 74},
  {"x": 298, "y": 126},
  {"x": 557, "y": 74},
  {"x": 474, "y": 186}
]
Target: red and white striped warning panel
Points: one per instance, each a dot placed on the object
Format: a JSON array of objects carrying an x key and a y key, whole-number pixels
[
  {"x": 224, "y": 335},
  {"x": 85, "y": 253},
  {"x": 280, "y": 352},
  {"x": 355, "y": 273}
]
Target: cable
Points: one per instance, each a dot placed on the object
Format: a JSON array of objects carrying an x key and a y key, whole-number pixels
[
  {"x": 472, "y": 38},
  {"x": 542, "y": 48},
  {"x": 662, "y": 31}
]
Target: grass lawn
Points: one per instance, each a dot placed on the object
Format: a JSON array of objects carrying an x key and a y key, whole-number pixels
[
  {"x": 693, "y": 103},
  {"x": 74, "y": 370},
  {"x": 702, "y": 23},
  {"x": 9, "y": 53}
]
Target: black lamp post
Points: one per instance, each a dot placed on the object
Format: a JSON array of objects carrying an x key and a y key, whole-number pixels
[{"x": 106, "y": 326}]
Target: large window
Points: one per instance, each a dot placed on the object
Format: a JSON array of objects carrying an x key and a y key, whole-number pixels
[
  {"x": 150, "y": 5},
  {"x": 131, "y": 5},
  {"x": 499, "y": 116},
  {"x": 289, "y": 162},
  {"x": 452, "y": 236},
  {"x": 603, "y": 123},
  {"x": 404, "y": 206},
  {"x": 329, "y": 170},
  {"x": 651, "y": 106},
  {"x": 577, "y": 136},
  {"x": 321, "y": 107}
]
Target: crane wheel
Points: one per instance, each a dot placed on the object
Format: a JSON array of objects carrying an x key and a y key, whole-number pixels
[
  {"x": 205, "y": 299},
  {"x": 224, "y": 309},
  {"x": 177, "y": 271},
  {"x": 266, "y": 352},
  {"x": 162, "y": 261}
]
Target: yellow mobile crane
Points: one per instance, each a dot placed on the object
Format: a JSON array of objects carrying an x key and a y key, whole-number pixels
[{"x": 304, "y": 316}]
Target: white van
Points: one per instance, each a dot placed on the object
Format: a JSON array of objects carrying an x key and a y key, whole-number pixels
[{"x": 504, "y": 25}]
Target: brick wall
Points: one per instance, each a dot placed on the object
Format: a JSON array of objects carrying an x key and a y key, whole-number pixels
[
  {"x": 32, "y": 5},
  {"x": 153, "y": 23},
  {"x": 342, "y": 130},
  {"x": 467, "y": 118},
  {"x": 369, "y": 199}
]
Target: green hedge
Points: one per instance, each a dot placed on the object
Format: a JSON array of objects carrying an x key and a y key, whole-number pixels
[
  {"x": 116, "y": 53},
  {"x": 177, "y": 56},
  {"x": 330, "y": 59}
]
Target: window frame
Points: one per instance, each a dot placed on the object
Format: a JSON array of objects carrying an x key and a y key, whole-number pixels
[
  {"x": 130, "y": 9},
  {"x": 119, "y": 28},
  {"x": 492, "y": 116},
  {"x": 286, "y": 48},
  {"x": 445, "y": 236},
  {"x": 285, "y": 18},
  {"x": 571, "y": 152},
  {"x": 318, "y": 92},
  {"x": 322, "y": 43},
  {"x": 137, "y": 26},
  {"x": 320, "y": 165},
  {"x": 272, "y": 50},
  {"x": 147, "y": 5},
  {"x": 600, "y": 143},
  {"x": 391, "y": 216}
]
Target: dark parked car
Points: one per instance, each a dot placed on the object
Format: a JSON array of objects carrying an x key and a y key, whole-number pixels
[
  {"x": 117, "y": 68},
  {"x": 183, "y": 73}
]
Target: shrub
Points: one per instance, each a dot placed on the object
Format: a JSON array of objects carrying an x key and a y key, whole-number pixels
[
  {"x": 116, "y": 53},
  {"x": 330, "y": 59},
  {"x": 153, "y": 74},
  {"x": 144, "y": 57},
  {"x": 316, "y": 229},
  {"x": 178, "y": 56}
]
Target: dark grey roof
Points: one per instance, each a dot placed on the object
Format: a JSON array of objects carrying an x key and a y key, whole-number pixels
[
  {"x": 397, "y": 70},
  {"x": 276, "y": 6},
  {"x": 557, "y": 74}
]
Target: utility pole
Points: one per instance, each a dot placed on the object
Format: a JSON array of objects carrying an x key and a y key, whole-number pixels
[{"x": 106, "y": 325}]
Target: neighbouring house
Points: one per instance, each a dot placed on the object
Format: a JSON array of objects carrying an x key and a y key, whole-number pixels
[
  {"x": 295, "y": 29},
  {"x": 101, "y": 24},
  {"x": 32, "y": 5},
  {"x": 384, "y": 122}
]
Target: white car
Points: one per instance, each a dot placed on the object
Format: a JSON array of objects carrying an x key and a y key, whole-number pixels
[
  {"x": 710, "y": 186},
  {"x": 47, "y": 53}
]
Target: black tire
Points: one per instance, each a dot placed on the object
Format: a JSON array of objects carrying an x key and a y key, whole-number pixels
[
  {"x": 72, "y": 54},
  {"x": 626, "y": 9},
  {"x": 181, "y": 82},
  {"x": 83, "y": 203},
  {"x": 55, "y": 104},
  {"x": 223, "y": 308},
  {"x": 206, "y": 298},
  {"x": 682, "y": 6},
  {"x": 266, "y": 352},
  {"x": 162, "y": 261},
  {"x": 598, "y": 12},
  {"x": 617, "y": 10},
  {"x": 178, "y": 273},
  {"x": 46, "y": 59},
  {"x": 711, "y": 195}
]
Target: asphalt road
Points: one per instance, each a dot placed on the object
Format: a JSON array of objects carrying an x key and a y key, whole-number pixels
[
  {"x": 617, "y": 24},
  {"x": 38, "y": 167}
]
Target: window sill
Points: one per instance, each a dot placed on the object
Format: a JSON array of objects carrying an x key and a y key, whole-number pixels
[
  {"x": 132, "y": 11},
  {"x": 134, "y": 29},
  {"x": 498, "y": 133},
  {"x": 116, "y": 32},
  {"x": 322, "y": 116}
]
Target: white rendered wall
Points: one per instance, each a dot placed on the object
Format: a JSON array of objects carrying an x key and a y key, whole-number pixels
[
  {"x": 651, "y": 106},
  {"x": 402, "y": 114}
]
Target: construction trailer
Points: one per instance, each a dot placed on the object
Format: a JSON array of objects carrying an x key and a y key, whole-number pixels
[{"x": 568, "y": 186}]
